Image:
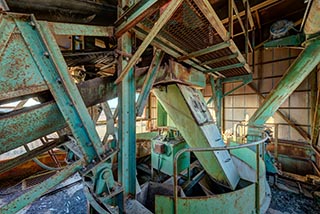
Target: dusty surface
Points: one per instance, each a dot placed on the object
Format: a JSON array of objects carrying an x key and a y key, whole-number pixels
[
  {"x": 72, "y": 200},
  {"x": 284, "y": 202}
]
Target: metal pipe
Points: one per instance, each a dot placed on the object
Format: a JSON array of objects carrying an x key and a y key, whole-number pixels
[
  {"x": 179, "y": 153},
  {"x": 257, "y": 192}
]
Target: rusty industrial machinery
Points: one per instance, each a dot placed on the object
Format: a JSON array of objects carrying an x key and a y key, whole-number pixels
[{"x": 72, "y": 57}]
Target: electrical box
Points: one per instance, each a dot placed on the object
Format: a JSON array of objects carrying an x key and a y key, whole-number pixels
[{"x": 163, "y": 152}]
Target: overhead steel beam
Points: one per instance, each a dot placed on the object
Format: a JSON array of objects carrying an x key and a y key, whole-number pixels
[
  {"x": 149, "y": 80},
  {"x": 205, "y": 51},
  {"x": 135, "y": 14},
  {"x": 47, "y": 54},
  {"x": 227, "y": 67},
  {"x": 301, "y": 131},
  {"x": 212, "y": 17},
  {"x": 38, "y": 121},
  {"x": 79, "y": 29},
  {"x": 220, "y": 59},
  {"x": 164, "y": 17},
  {"x": 169, "y": 48},
  {"x": 297, "y": 72},
  {"x": 210, "y": 14},
  {"x": 254, "y": 8}
]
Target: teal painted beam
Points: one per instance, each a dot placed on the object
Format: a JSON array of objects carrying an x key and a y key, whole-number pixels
[
  {"x": 220, "y": 59},
  {"x": 79, "y": 29},
  {"x": 243, "y": 78},
  {"x": 164, "y": 17},
  {"x": 38, "y": 121},
  {"x": 136, "y": 14},
  {"x": 227, "y": 67},
  {"x": 293, "y": 40},
  {"x": 17, "y": 66},
  {"x": 35, "y": 122},
  {"x": 149, "y": 80},
  {"x": 308, "y": 59},
  {"x": 126, "y": 117},
  {"x": 37, "y": 191},
  {"x": 167, "y": 47},
  {"x": 205, "y": 51},
  {"x": 46, "y": 54}
]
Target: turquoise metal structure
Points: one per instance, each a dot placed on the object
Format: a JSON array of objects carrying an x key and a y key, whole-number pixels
[{"x": 44, "y": 68}]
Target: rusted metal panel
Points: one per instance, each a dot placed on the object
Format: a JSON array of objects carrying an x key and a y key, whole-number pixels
[
  {"x": 240, "y": 201},
  {"x": 23, "y": 126},
  {"x": 19, "y": 73}
]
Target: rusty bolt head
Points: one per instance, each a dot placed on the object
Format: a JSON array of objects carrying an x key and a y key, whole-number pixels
[
  {"x": 46, "y": 54},
  {"x": 33, "y": 25},
  {"x": 59, "y": 81}
]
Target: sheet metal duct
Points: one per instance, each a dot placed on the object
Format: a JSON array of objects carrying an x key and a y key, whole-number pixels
[{"x": 188, "y": 110}]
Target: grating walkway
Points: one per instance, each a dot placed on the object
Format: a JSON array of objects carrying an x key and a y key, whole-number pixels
[{"x": 200, "y": 38}]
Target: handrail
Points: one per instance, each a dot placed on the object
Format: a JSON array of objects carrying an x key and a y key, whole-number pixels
[{"x": 179, "y": 153}]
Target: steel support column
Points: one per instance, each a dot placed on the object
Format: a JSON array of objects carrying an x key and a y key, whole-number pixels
[
  {"x": 127, "y": 118},
  {"x": 149, "y": 80},
  {"x": 165, "y": 16},
  {"x": 297, "y": 72}
]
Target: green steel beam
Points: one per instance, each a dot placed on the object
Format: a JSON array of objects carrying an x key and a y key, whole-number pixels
[
  {"x": 227, "y": 67},
  {"x": 36, "y": 192},
  {"x": 205, "y": 51},
  {"x": 300, "y": 130},
  {"x": 165, "y": 16},
  {"x": 167, "y": 47},
  {"x": 293, "y": 40},
  {"x": 246, "y": 79},
  {"x": 217, "y": 93},
  {"x": 38, "y": 121},
  {"x": 220, "y": 59},
  {"x": 46, "y": 54},
  {"x": 243, "y": 78},
  {"x": 149, "y": 80},
  {"x": 127, "y": 117},
  {"x": 79, "y": 29},
  {"x": 136, "y": 14},
  {"x": 297, "y": 72}
]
